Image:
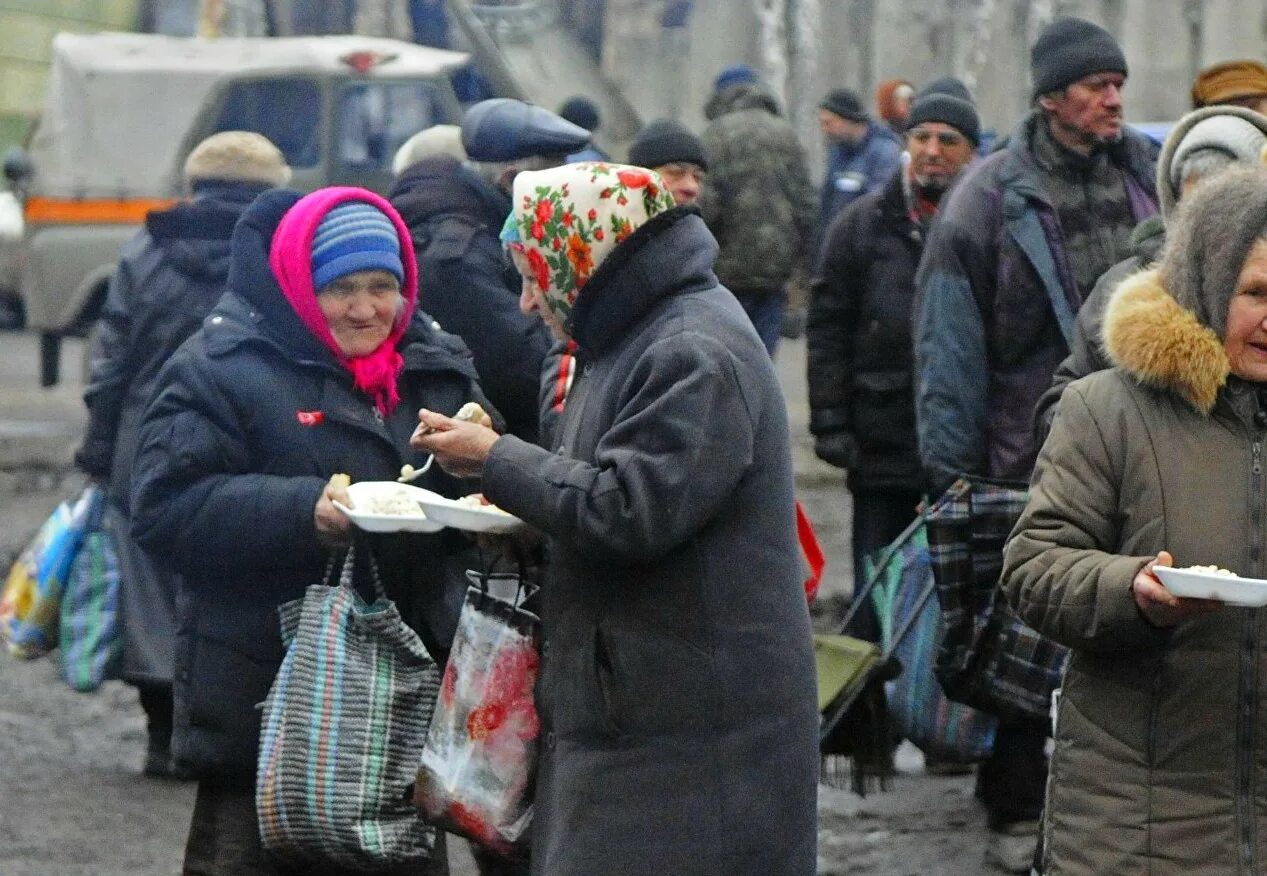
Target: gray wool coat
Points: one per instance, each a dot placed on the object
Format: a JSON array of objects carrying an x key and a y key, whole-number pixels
[{"x": 676, "y": 695}]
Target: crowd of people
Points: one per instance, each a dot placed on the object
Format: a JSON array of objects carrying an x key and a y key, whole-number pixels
[{"x": 1081, "y": 307}]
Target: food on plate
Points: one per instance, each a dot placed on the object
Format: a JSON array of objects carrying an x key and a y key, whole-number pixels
[
  {"x": 1212, "y": 570},
  {"x": 477, "y": 502},
  {"x": 398, "y": 504}
]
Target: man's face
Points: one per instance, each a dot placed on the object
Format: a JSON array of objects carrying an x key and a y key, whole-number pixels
[
  {"x": 1088, "y": 112},
  {"x": 683, "y": 180},
  {"x": 840, "y": 130},
  {"x": 938, "y": 152}
]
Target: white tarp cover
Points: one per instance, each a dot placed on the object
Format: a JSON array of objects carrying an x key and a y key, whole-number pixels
[{"x": 118, "y": 105}]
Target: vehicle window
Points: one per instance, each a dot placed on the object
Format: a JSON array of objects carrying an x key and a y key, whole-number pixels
[
  {"x": 375, "y": 118},
  {"x": 286, "y": 111}
]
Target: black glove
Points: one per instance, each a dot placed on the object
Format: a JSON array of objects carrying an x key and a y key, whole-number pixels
[{"x": 837, "y": 448}]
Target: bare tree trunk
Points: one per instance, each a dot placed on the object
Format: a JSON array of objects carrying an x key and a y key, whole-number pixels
[
  {"x": 772, "y": 44},
  {"x": 210, "y": 15},
  {"x": 383, "y": 18},
  {"x": 805, "y": 87}
]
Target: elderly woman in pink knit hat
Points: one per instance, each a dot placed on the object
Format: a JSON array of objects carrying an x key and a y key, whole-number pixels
[{"x": 313, "y": 363}]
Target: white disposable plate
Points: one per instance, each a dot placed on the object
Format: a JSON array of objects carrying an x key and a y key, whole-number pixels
[
  {"x": 450, "y": 513},
  {"x": 1198, "y": 584},
  {"x": 361, "y": 494}
]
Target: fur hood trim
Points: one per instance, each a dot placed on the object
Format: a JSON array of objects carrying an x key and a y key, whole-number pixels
[{"x": 1159, "y": 343}]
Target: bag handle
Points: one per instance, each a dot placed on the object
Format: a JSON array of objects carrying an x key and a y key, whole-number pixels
[
  {"x": 349, "y": 565},
  {"x": 479, "y": 579},
  {"x": 861, "y": 593}
]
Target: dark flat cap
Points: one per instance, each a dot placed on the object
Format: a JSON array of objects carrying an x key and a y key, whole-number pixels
[
  {"x": 844, "y": 103},
  {"x": 504, "y": 129},
  {"x": 666, "y": 142}
]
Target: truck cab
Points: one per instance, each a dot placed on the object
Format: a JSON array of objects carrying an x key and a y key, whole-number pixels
[{"x": 123, "y": 111}]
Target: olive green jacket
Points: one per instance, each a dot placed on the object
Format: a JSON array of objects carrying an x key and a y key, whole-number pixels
[{"x": 1160, "y": 760}]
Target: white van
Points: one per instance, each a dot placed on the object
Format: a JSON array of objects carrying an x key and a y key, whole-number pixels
[{"x": 123, "y": 110}]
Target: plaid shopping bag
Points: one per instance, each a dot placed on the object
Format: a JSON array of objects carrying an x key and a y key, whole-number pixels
[
  {"x": 342, "y": 731},
  {"x": 987, "y": 658},
  {"x": 910, "y": 620},
  {"x": 90, "y": 638}
]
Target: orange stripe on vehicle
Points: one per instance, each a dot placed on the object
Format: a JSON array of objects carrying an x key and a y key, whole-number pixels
[{"x": 96, "y": 210}]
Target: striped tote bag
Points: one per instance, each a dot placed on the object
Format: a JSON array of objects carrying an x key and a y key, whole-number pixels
[
  {"x": 91, "y": 641},
  {"x": 343, "y": 730}
]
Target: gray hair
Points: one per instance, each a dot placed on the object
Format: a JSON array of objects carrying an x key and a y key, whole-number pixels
[
  {"x": 1200, "y": 164},
  {"x": 503, "y": 173}
]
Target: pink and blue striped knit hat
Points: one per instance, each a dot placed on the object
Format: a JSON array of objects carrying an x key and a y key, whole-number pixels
[{"x": 354, "y": 236}]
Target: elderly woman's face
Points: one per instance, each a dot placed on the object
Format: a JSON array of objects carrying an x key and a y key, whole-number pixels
[
  {"x": 1246, "y": 340},
  {"x": 531, "y": 300},
  {"x": 360, "y": 309}
]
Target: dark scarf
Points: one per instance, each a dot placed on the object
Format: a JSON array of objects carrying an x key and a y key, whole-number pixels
[{"x": 1088, "y": 193}]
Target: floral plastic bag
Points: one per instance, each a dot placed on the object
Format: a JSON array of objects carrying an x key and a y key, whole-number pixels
[
  {"x": 478, "y": 765},
  {"x": 30, "y": 606}
]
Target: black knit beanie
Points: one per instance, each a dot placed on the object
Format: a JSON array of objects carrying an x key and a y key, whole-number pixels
[
  {"x": 959, "y": 114},
  {"x": 844, "y": 103},
  {"x": 580, "y": 111},
  {"x": 1209, "y": 238},
  {"x": 1069, "y": 49},
  {"x": 946, "y": 85},
  {"x": 664, "y": 142}
]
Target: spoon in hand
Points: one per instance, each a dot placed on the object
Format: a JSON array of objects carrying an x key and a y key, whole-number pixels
[{"x": 409, "y": 474}]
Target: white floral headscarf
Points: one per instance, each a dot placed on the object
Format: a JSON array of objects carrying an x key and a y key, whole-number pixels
[{"x": 568, "y": 219}]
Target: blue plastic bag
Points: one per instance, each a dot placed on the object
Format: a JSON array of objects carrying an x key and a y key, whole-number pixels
[
  {"x": 906, "y": 602},
  {"x": 39, "y": 576}
]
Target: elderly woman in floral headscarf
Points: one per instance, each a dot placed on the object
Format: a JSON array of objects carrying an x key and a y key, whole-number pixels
[{"x": 677, "y": 704}]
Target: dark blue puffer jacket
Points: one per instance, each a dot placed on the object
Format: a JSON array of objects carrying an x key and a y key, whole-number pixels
[{"x": 250, "y": 419}]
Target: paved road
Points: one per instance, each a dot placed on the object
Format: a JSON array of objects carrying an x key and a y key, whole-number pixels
[{"x": 73, "y": 802}]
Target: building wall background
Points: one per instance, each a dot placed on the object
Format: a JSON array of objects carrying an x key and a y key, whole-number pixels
[{"x": 985, "y": 42}]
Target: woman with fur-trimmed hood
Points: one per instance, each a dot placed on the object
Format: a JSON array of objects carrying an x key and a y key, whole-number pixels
[{"x": 1161, "y": 730}]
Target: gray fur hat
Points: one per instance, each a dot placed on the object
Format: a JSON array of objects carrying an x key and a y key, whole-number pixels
[
  {"x": 237, "y": 156},
  {"x": 1234, "y": 130},
  {"x": 1208, "y": 241},
  {"x": 436, "y": 140}
]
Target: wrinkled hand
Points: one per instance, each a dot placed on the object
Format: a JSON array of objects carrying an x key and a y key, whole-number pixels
[
  {"x": 1159, "y": 606},
  {"x": 459, "y": 447},
  {"x": 334, "y": 530},
  {"x": 837, "y": 448}
]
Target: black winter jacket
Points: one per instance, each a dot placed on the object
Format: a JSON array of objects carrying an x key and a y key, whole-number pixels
[
  {"x": 228, "y": 475},
  {"x": 861, "y": 363},
  {"x": 466, "y": 282},
  {"x": 169, "y": 277},
  {"x": 676, "y": 692}
]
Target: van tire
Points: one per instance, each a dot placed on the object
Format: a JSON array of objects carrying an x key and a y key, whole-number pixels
[{"x": 50, "y": 359}]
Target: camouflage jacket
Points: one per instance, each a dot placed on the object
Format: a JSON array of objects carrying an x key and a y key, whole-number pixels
[{"x": 757, "y": 199}]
